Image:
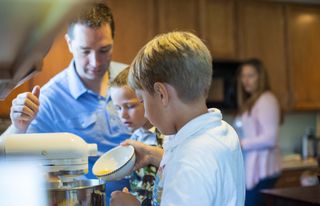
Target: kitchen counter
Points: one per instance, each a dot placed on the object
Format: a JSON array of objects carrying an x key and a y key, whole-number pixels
[
  {"x": 297, "y": 196},
  {"x": 298, "y": 163},
  {"x": 296, "y": 172}
]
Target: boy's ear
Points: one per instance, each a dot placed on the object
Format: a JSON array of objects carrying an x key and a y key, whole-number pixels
[{"x": 161, "y": 90}]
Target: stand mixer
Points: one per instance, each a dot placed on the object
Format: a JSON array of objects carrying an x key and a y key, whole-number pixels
[{"x": 64, "y": 157}]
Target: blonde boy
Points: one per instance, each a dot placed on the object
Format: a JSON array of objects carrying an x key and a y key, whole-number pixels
[
  {"x": 202, "y": 162},
  {"x": 129, "y": 108},
  {"x": 131, "y": 112}
]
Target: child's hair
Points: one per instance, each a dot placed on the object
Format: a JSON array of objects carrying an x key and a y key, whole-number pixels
[
  {"x": 121, "y": 79},
  {"x": 178, "y": 58}
]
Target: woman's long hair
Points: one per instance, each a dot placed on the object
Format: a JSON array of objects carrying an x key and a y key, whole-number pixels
[{"x": 246, "y": 100}]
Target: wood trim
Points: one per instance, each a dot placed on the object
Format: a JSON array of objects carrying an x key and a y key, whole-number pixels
[
  {"x": 292, "y": 1},
  {"x": 290, "y": 95},
  {"x": 306, "y": 106}
]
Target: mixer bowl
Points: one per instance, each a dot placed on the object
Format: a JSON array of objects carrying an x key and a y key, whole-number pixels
[
  {"x": 77, "y": 193},
  {"x": 115, "y": 164}
]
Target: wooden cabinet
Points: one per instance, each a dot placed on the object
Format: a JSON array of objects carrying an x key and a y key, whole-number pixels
[
  {"x": 178, "y": 16},
  {"x": 262, "y": 35},
  {"x": 139, "y": 21},
  {"x": 135, "y": 26},
  {"x": 303, "y": 28},
  {"x": 285, "y": 36},
  {"x": 211, "y": 20},
  {"x": 219, "y": 28}
]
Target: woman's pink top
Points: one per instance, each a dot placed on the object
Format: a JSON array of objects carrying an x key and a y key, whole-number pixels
[{"x": 261, "y": 138}]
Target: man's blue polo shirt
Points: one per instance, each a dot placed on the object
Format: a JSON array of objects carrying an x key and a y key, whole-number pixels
[{"x": 66, "y": 105}]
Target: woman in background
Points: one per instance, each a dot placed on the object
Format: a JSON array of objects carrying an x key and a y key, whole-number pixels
[{"x": 259, "y": 114}]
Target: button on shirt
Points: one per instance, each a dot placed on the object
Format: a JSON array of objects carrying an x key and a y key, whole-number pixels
[{"x": 66, "y": 105}]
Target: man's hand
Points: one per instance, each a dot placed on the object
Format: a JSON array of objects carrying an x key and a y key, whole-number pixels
[
  {"x": 145, "y": 154},
  {"x": 123, "y": 198},
  {"x": 24, "y": 109}
]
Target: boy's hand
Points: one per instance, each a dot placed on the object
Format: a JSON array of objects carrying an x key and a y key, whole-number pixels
[
  {"x": 145, "y": 154},
  {"x": 123, "y": 198},
  {"x": 24, "y": 109}
]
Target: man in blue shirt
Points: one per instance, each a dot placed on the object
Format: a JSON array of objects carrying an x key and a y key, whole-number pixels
[{"x": 76, "y": 99}]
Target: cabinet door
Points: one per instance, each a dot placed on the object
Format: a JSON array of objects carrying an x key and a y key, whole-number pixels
[
  {"x": 304, "y": 55},
  {"x": 134, "y": 22},
  {"x": 218, "y": 28},
  {"x": 262, "y": 35},
  {"x": 55, "y": 61},
  {"x": 211, "y": 20},
  {"x": 178, "y": 15}
]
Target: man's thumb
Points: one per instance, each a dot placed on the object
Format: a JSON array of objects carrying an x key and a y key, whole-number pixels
[{"x": 36, "y": 91}]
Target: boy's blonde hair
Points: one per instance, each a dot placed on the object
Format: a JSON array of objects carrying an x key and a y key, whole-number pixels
[
  {"x": 121, "y": 79},
  {"x": 178, "y": 58}
]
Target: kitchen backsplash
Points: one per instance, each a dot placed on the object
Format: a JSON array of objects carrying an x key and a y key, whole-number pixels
[{"x": 292, "y": 130}]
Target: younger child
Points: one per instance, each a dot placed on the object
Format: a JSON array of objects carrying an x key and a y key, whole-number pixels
[
  {"x": 202, "y": 162},
  {"x": 131, "y": 113}
]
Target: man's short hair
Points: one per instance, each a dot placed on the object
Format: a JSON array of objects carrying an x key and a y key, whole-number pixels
[
  {"x": 121, "y": 79},
  {"x": 178, "y": 58},
  {"x": 93, "y": 15}
]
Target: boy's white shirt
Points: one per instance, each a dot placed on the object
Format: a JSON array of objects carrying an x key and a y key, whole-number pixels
[{"x": 202, "y": 165}]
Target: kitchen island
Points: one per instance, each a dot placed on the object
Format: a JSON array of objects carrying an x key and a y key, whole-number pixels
[{"x": 296, "y": 196}]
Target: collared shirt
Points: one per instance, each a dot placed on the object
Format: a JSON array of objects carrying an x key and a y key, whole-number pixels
[
  {"x": 202, "y": 165},
  {"x": 66, "y": 105},
  {"x": 148, "y": 137},
  {"x": 142, "y": 180}
]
